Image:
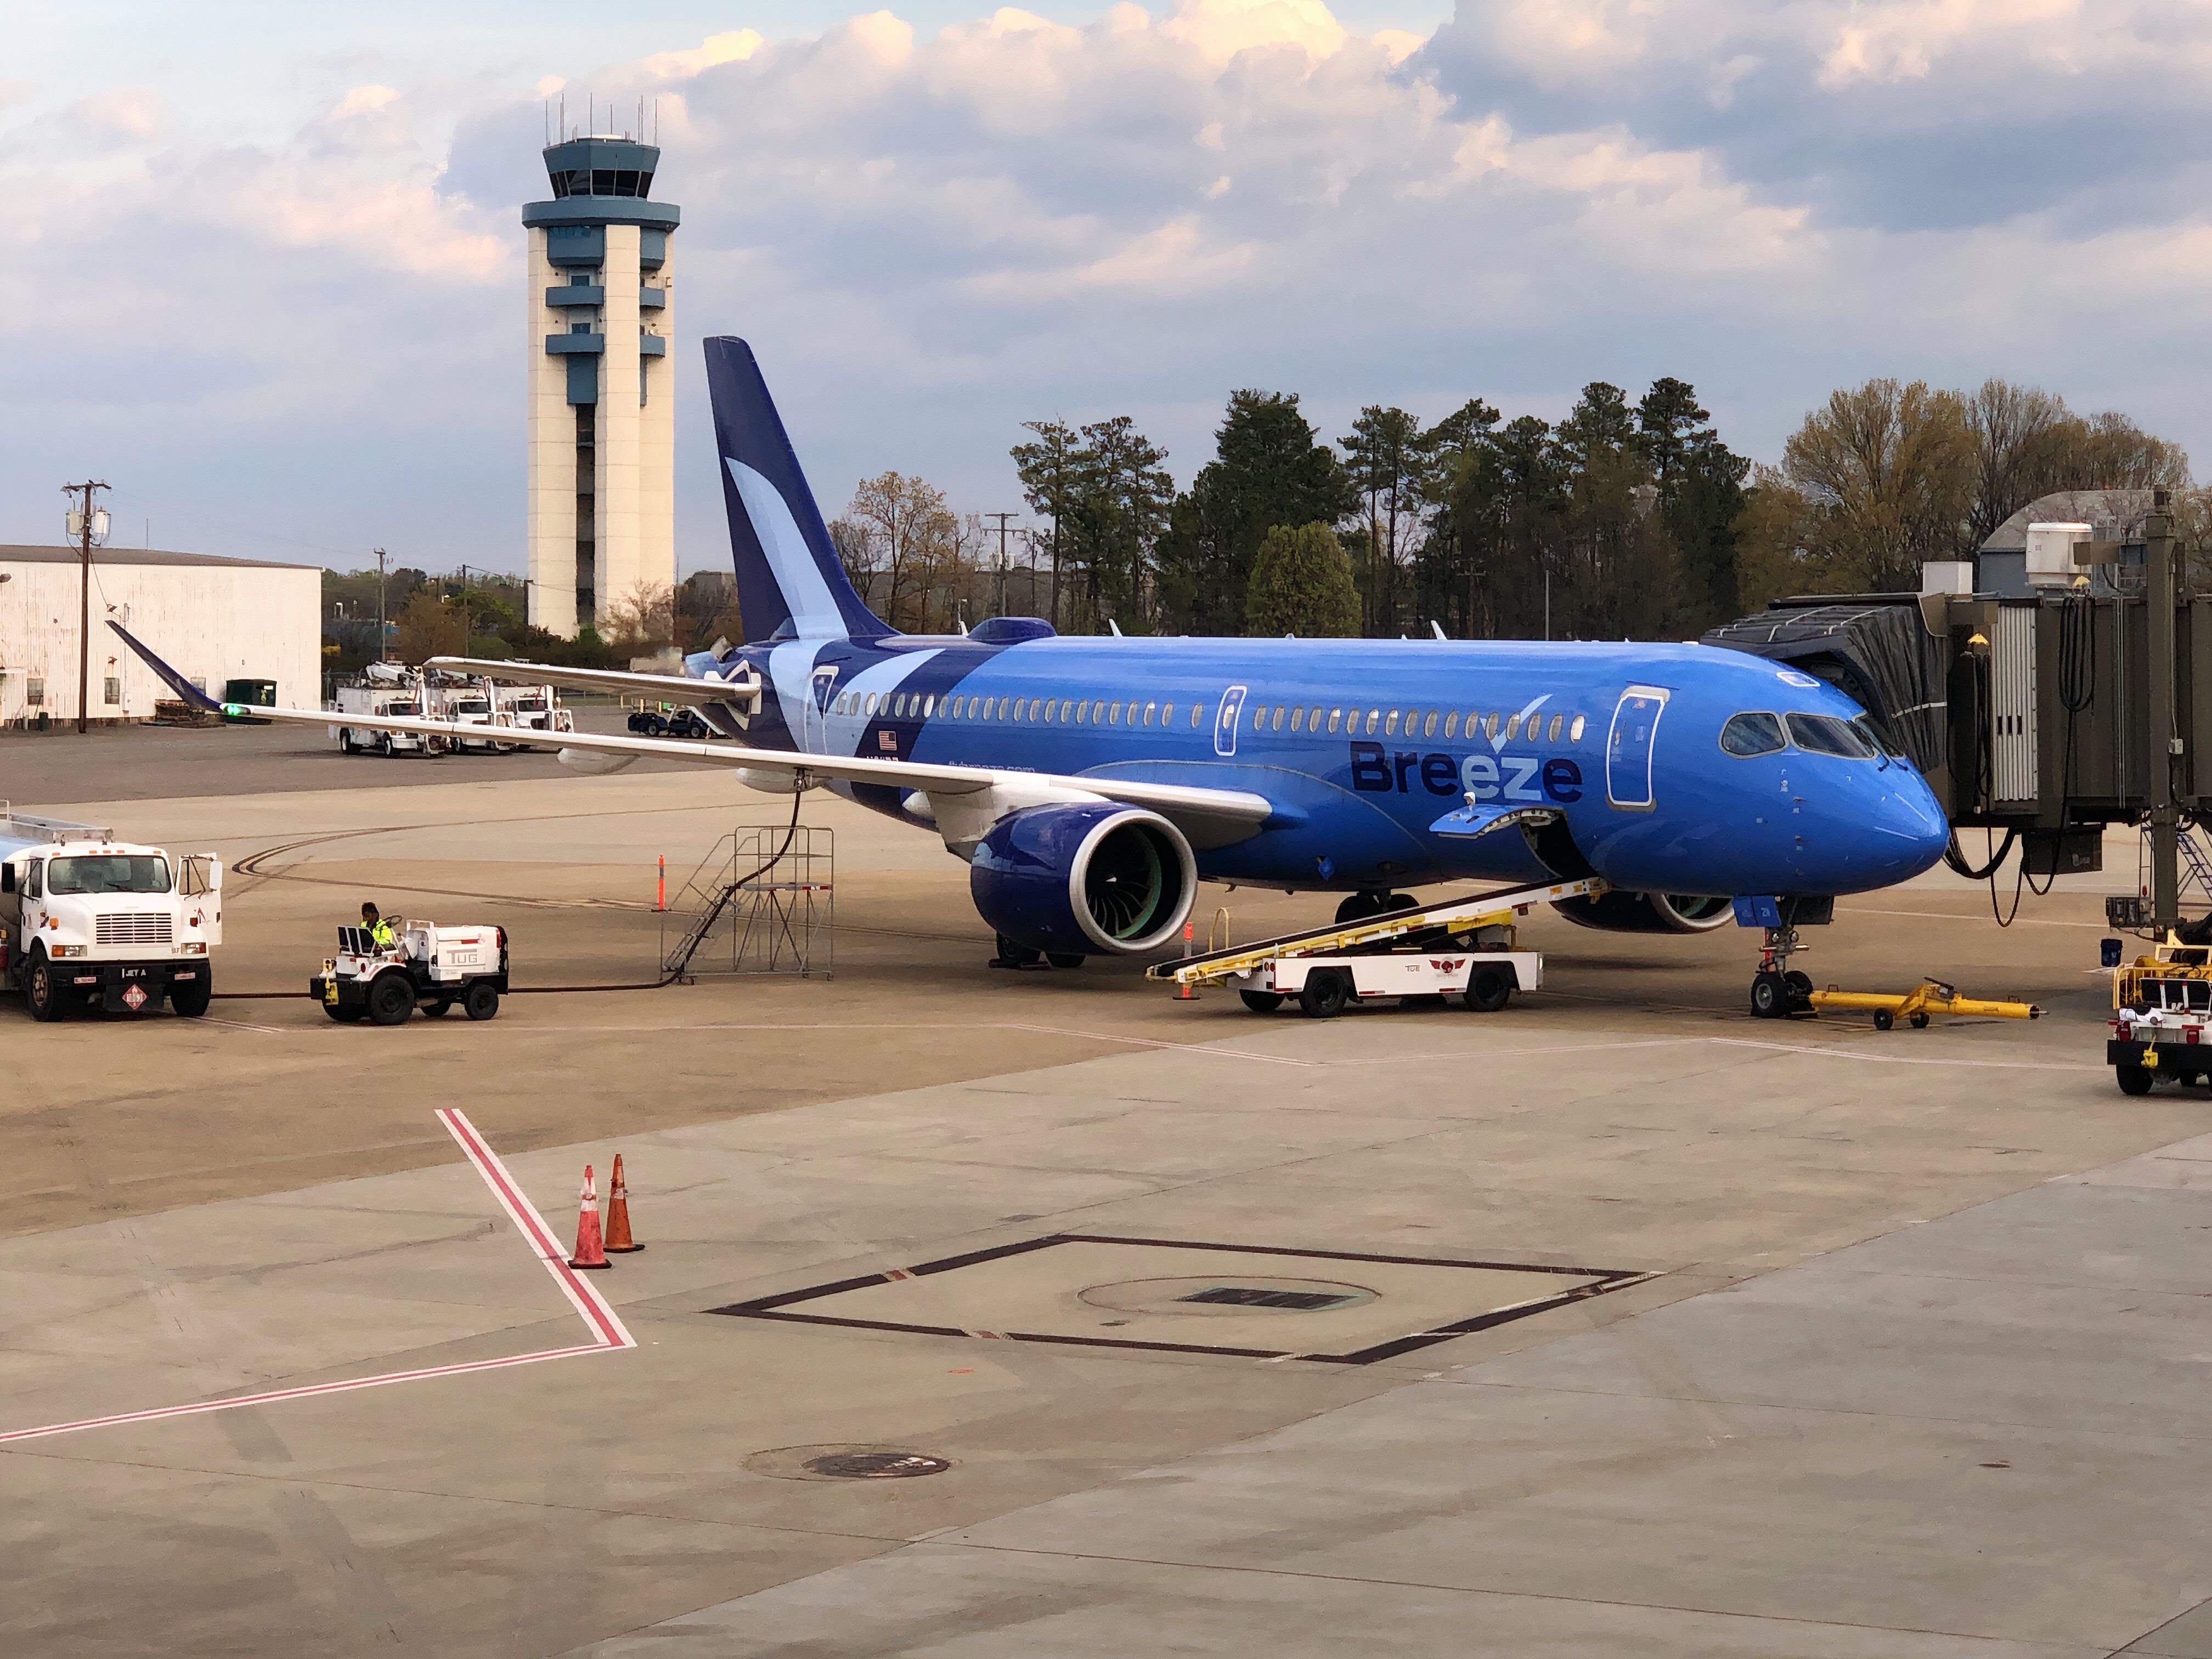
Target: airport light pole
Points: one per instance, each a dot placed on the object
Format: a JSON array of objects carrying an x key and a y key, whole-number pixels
[
  {"x": 85, "y": 521},
  {"x": 1001, "y": 517},
  {"x": 380, "y": 606}
]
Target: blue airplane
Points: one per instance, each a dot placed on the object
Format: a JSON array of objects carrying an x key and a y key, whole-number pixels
[{"x": 1091, "y": 784}]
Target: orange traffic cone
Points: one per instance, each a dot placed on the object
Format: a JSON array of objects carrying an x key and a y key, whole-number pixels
[
  {"x": 619, "y": 1243},
  {"x": 1186, "y": 992},
  {"x": 590, "y": 1252}
]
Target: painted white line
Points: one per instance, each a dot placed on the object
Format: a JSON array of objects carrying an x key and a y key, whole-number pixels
[
  {"x": 1149, "y": 1042},
  {"x": 1905, "y": 1059},
  {"x": 609, "y": 1334},
  {"x": 240, "y": 1025}
]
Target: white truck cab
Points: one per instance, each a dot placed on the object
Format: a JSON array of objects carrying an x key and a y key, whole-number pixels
[
  {"x": 87, "y": 919},
  {"x": 379, "y": 702}
]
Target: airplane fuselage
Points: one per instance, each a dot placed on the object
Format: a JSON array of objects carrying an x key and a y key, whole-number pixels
[{"x": 1365, "y": 745}]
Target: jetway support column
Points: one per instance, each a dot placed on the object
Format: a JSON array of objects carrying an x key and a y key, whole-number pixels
[{"x": 2165, "y": 814}]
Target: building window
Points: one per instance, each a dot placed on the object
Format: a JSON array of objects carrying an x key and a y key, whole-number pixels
[
  {"x": 35, "y": 691},
  {"x": 114, "y": 691}
]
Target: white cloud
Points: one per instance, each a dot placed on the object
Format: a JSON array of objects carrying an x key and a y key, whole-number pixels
[{"x": 930, "y": 238}]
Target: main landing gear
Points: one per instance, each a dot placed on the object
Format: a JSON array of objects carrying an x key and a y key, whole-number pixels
[{"x": 1778, "y": 991}]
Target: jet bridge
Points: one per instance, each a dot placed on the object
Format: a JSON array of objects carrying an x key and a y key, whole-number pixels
[{"x": 2044, "y": 715}]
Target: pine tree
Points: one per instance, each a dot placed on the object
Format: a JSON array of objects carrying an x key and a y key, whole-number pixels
[{"x": 1302, "y": 584}]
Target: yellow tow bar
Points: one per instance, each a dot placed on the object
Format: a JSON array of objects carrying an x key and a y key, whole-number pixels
[{"x": 1930, "y": 996}]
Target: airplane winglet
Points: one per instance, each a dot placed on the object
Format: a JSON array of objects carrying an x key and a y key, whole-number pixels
[{"x": 191, "y": 695}]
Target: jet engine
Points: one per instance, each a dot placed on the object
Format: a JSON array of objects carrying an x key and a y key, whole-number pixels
[
  {"x": 594, "y": 763},
  {"x": 1085, "y": 879},
  {"x": 1648, "y": 913}
]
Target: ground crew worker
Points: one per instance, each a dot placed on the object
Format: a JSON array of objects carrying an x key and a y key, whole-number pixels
[{"x": 379, "y": 931}]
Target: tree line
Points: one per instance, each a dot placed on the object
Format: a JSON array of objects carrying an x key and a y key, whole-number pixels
[{"x": 1630, "y": 518}]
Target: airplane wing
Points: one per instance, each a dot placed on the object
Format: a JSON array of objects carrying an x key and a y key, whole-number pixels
[
  {"x": 1214, "y": 817},
  {"x": 1211, "y": 817},
  {"x": 673, "y": 687}
]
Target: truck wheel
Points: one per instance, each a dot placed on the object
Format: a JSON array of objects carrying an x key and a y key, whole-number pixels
[
  {"x": 391, "y": 999},
  {"x": 1325, "y": 994},
  {"x": 40, "y": 990},
  {"x": 482, "y": 1002},
  {"x": 2133, "y": 1079},
  {"x": 1491, "y": 989},
  {"x": 346, "y": 744},
  {"x": 1261, "y": 1002},
  {"x": 345, "y": 1012},
  {"x": 191, "y": 999},
  {"x": 384, "y": 745}
]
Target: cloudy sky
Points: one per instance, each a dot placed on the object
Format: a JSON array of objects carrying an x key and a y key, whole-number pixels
[{"x": 261, "y": 265}]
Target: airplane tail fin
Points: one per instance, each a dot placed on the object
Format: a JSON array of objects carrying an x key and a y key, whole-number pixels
[{"x": 790, "y": 580}]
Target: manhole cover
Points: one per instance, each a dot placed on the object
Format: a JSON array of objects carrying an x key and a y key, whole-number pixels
[
  {"x": 846, "y": 1463},
  {"x": 1241, "y": 1295}
]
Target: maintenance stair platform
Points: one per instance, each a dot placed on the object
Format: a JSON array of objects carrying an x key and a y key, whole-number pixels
[{"x": 1467, "y": 915}]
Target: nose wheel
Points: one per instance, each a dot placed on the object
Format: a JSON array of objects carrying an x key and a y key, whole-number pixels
[{"x": 1777, "y": 990}]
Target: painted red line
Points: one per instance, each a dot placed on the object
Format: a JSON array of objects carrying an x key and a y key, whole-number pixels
[
  {"x": 609, "y": 1334},
  {"x": 310, "y": 1391}
]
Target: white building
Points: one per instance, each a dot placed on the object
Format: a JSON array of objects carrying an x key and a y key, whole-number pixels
[
  {"x": 602, "y": 504},
  {"x": 215, "y": 620}
]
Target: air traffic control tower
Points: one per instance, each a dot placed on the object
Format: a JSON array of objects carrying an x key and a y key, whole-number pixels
[{"x": 602, "y": 513}]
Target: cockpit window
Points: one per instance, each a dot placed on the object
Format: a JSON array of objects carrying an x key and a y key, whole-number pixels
[
  {"x": 1866, "y": 728},
  {"x": 1750, "y": 734},
  {"x": 1824, "y": 734}
]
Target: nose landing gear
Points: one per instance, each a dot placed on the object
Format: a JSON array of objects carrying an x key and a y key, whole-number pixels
[{"x": 1778, "y": 991}]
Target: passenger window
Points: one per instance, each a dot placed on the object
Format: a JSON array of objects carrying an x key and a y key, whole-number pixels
[
  {"x": 1167, "y": 713},
  {"x": 1575, "y": 731},
  {"x": 1276, "y": 724},
  {"x": 1150, "y": 710},
  {"x": 1313, "y": 718},
  {"x": 1824, "y": 734},
  {"x": 871, "y": 704},
  {"x": 1512, "y": 728},
  {"x": 1114, "y": 715},
  {"x": 1390, "y": 723},
  {"x": 1197, "y": 714},
  {"x": 1451, "y": 723},
  {"x": 1556, "y": 720},
  {"x": 1052, "y": 708},
  {"x": 1298, "y": 718},
  {"x": 1751, "y": 734},
  {"x": 1259, "y": 717},
  {"x": 1374, "y": 716},
  {"x": 928, "y": 706},
  {"x": 1429, "y": 724},
  {"x": 1333, "y": 716},
  {"x": 1491, "y": 724}
]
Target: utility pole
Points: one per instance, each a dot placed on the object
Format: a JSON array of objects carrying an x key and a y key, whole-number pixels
[
  {"x": 1001, "y": 517},
  {"x": 84, "y": 526},
  {"x": 2166, "y": 741},
  {"x": 378, "y": 657}
]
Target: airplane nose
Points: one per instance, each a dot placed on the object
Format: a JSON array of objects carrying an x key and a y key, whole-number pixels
[{"x": 1907, "y": 832}]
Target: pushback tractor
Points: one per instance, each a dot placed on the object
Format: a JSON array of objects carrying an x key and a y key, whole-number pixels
[{"x": 431, "y": 968}]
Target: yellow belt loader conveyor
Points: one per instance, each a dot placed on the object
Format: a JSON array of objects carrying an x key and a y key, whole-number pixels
[{"x": 1325, "y": 967}]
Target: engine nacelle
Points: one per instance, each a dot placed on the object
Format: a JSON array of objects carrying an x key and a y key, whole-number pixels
[
  {"x": 594, "y": 763},
  {"x": 1648, "y": 913},
  {"x": 1100, "y": 879}
]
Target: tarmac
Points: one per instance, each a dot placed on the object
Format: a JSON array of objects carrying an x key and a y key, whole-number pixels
[{"x": 1617, "y": 1322}]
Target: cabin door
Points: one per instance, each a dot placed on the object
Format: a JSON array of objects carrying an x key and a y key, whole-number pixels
[
  {"x": 1628, "y": 747},
  {"x": 814, "y": 740}
]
